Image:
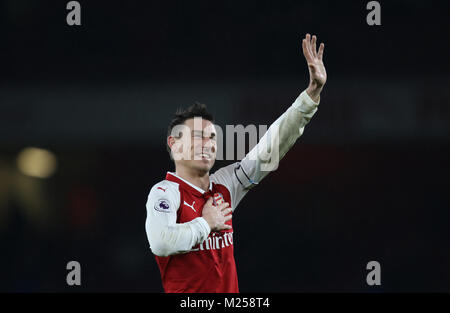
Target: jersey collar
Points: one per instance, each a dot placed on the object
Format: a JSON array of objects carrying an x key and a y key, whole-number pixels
[{"x": 187, "y": 185}]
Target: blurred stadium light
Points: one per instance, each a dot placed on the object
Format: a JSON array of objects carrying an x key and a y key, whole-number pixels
[{"x": 36, "y": 162}]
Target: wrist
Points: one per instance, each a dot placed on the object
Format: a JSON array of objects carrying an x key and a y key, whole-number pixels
[
  {"x": 206, "y": 224},
  {"x": 314, "y": 91}
]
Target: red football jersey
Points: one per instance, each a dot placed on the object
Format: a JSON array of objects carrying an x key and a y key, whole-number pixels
[{"x": 210, "y": 265}]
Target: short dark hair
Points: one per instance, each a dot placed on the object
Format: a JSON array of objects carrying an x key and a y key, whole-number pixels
[{"x": 181, "y": 115}]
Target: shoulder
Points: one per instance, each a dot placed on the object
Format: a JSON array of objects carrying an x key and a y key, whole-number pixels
[
  {"x": 224, "y": 175},
  {"x": 166, "y": 190},
  {"x": 234, "y": 175}
]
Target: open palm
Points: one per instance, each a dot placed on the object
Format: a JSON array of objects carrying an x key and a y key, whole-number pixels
[{"x": 317, "y": 72}]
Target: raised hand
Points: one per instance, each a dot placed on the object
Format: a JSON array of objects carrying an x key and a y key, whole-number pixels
[{"x": 317, "y": 72}]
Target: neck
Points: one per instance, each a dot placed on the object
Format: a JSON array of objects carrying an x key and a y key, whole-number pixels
[{"x": 196, "y": 178}]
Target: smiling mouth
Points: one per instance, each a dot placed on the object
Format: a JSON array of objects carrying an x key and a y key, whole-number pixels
[{"x": 204, "y": 156}]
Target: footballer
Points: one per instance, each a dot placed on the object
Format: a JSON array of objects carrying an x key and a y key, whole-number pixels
[{"x": 189, "y": 222}]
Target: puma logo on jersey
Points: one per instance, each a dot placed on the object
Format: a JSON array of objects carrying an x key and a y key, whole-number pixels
[
  {"x": 162, "y": 189},
  {"x": 191, "y": 206}
]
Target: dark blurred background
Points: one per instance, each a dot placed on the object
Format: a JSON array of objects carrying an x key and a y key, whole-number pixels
[{"x": 83, "y": 118}]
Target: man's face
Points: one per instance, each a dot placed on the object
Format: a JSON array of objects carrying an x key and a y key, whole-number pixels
[{"x": 196, "y": 148}]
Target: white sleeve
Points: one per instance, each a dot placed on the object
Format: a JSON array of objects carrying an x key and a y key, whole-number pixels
[
  {"x": 241, "y": 176},
  {"x": 166, "y": 236}
]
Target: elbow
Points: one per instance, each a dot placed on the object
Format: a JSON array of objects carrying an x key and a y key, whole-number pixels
[
  {"x": 158, "y": 245},
  {"x": 161, "y": 249},
  {"x": 165, "y": 242}
]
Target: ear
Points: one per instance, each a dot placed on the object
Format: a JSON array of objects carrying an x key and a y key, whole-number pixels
[{"x": 170, "y": 141}]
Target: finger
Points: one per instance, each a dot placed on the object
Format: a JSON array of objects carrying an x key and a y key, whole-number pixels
[
  {"x": 227, "y": 218},
  {"x": 313, "y": 46},
  {"x": 223, "y": 206},
  {"x": 321, "y": 48},
  {"x": 222, "y": 227},
  {"x": 225, "y": 209},
  {"x": 225, "y": 212},
  {"x": 306, "y": 52},
  {"x": 308, "y": 44}
]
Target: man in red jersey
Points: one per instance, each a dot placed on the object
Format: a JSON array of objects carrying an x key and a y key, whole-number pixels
[{"x": 189, "y": 214}]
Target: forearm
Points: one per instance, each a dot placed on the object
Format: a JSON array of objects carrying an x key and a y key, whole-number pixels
[
  {"x": 179, "y": 238},
  {"x": 292, "y": 123},
  {"x": 279, "y": 138}
]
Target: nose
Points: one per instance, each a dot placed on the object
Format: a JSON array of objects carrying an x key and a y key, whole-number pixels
[{"x": 209, "y": 145}]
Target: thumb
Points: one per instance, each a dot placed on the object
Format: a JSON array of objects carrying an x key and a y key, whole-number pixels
[{"x": 209, "y": 201}]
